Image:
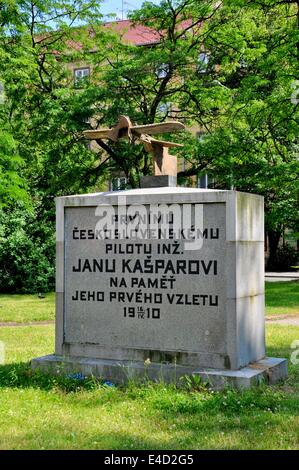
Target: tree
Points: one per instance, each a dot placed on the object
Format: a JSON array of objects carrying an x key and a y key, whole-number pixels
[
  {"x": 229, "y": 68},
  {"x": 40, "y": 118},
  {"x": 166, "y": 80},
  {"x": 225, "y": 68},
  {"x": 12, "y": 186},
  {"x": 242, "y": 95},
  {"x": 256, "y": 148}
]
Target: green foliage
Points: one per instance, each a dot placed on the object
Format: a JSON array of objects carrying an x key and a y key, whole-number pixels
[
  {"x": 20, "y": 375},
  {"x": 256, "y": 147},
  {"x": 27, "y": 252},
  {"x": 282, "y": 298},
  {"x": 194, "y": 382},
  {"x": 244, "y": 99},
  {"x": 229, "y": 402},
  {"x": 70, "y": 413},
  {"x": 42, "y": 153},
  {"x": 286, "y": 256},
  {"x": 42, "y": 110},
  {"x": 12, "y": 186}
]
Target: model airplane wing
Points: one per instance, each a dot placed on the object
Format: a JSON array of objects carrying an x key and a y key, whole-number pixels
[
  {"x": 97, "y": 134},
  {"x": 165, "y": 143},
  {"x": 159, "y": 128},
  {"x": 164, "y": 164},
  {"x": 124, "y": 123}
]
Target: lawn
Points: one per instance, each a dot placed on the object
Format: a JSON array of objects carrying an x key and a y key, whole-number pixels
[
  {"x": 40, "y": 412},
  {"x": 281, "y": 298},
  {"x": 27, "y": 308}
]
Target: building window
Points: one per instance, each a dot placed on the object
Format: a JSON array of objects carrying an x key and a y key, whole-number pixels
[
  {"x": 118, "y": 184},
  {"x": 203, "y": 181},
  {"x": 81, "y": 76},
  {"x": 203, "y": 61}
]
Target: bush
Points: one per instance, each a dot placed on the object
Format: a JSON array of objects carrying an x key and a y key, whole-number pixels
[
  {"x": 27, "y": 252},
  {"x": 285, "y": 257}
]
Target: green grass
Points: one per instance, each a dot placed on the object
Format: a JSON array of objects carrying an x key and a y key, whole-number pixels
[
  {"x": 282, "y": 298},
  {"x": 41, "y": 412},
  {"x": 38, "y": 411},
  {"x": 27, "y": 308}
]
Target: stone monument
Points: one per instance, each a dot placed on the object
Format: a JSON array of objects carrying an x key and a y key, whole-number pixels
[{"x": 162, "y": 282}]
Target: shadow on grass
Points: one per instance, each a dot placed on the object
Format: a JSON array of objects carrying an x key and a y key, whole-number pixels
[
  {"x": 209, "y": 435},
  {"x": 168, "y": 401},
  {"x": 21, "y": 375},
  {"x": 197, "y": 431},
  {"x": 190, "y": 419}
]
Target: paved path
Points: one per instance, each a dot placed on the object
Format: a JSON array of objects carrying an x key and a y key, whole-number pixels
[
  {"x": 32, "y": 323},
  {"x": 278, "y": 277},
  {"x": 279, "y": 319},
  {"x": 284, "y": 320}
]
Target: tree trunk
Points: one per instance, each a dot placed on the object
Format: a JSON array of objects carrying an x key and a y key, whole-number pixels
[{"x": 274, "y": 238}]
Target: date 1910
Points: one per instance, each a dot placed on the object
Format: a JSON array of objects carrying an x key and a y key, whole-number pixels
[{"x": 141, "y": 312}]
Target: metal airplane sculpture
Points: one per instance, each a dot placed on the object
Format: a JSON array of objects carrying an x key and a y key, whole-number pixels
[{"x": 164, "y": 164}]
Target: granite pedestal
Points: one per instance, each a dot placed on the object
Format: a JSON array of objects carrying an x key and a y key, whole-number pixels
[{"x": 182, "y": 292}]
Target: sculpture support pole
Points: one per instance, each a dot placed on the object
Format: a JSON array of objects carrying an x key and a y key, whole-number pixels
[
  {"x": 164, "y": 164},
  {"x": 161, "y": 181},
  {"x": 165, "y": 169}
]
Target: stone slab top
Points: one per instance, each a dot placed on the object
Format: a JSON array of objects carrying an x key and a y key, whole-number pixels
[{"x": 155, "y": 195}]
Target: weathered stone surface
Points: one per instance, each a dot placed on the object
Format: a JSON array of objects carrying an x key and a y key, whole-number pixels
[
  {"x": 179, "y": 304},
  {"x": 268, "y": 371},
  {"x": 180, "y": 328}
]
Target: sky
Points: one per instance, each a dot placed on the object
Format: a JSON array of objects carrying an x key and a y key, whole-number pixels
[{"x": 121, "y": 7}]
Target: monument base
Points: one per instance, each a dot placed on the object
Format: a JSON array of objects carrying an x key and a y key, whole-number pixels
[
  {"x": 269, "y": 370},
  {"x": 160, "y": 181}
]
